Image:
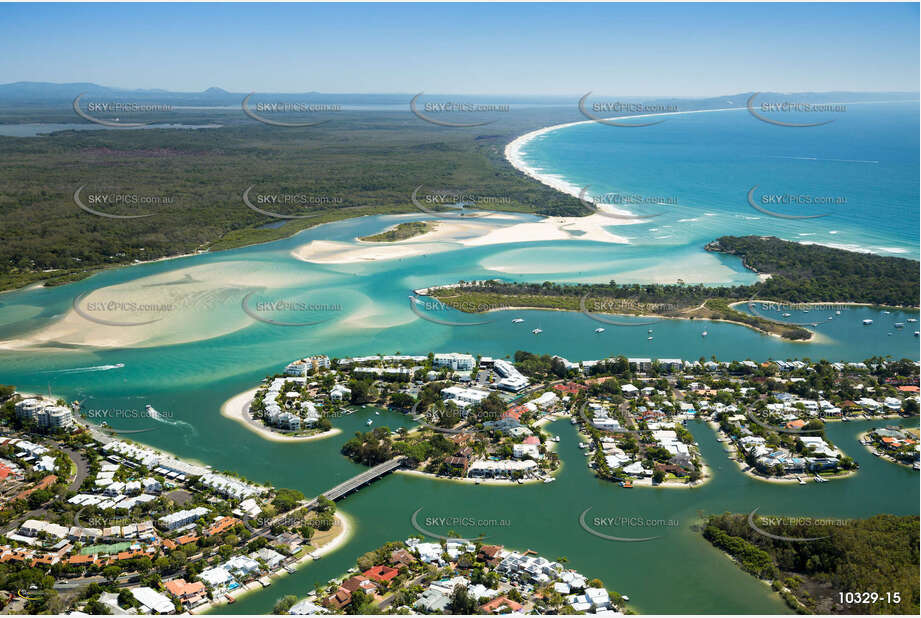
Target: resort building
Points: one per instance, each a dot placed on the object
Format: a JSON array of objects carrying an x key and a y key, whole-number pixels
[
  {"x": 457, "y": 362},
  {"x": 512, "y": 379},
  {"x": 45, "y": 414}
]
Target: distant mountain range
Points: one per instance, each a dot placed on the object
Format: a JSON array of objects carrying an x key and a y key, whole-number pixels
[{"x": 47, "y": 93}]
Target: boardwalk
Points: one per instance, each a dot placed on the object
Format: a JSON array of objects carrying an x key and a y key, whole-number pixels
[{"x": 356, "y": 482}]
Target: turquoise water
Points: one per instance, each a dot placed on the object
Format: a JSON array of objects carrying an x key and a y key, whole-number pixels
[
  {"x": 207, "y": 348},
  {"x": 544, "y": 517},
  {"x": 709, "y": 162}
]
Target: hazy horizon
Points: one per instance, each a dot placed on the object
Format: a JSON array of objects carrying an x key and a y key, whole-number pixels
[{"x": 652, "y": 50}]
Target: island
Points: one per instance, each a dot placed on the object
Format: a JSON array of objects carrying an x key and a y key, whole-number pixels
[
  {"x": 790, "y": 273},
  {"x": 402, "y": 231}
]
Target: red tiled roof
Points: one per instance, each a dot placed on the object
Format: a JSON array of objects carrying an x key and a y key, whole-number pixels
[
  {"x": 514, "y": 413},
  {"x": 381, "y": 573},
  {"x": 221, "y": 525},
  {"x": 500, "y": 602}
]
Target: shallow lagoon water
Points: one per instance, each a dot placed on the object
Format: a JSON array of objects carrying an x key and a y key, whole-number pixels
[{"x": 191, "y": 368}]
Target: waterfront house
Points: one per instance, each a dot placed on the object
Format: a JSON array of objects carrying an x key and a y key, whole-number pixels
[
  {"x": 153, "y": 601},
  {"x": 501, "y": 605},
  {"x": 189, "y": 594},
  {"x": 381, "y": 573}
]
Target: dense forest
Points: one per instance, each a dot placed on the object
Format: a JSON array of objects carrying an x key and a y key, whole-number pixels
[
  {"x": 813, "y": 273},
  {"x": 879, "y": 554},
  {"x": 357, "y": 164}
]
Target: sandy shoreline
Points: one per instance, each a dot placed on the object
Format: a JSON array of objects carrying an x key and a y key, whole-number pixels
[
  {"x": 237, "y": 408},
  {"x": 514, "y": 155},
  {"x": 450, "y": 235},
  {"x": 323, "y": 550}
]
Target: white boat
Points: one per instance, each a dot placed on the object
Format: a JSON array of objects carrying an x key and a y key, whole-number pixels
[
  {"x": 837, "y": 313},
  {"x": 556, "y": 438},
  {"x": 819, "y": 479},
  {"x": 899, "y": 325},
  {"x": 536, "y": 331},
  {"x": 703, "y": 334},
  {"x": 867, "y": 322},
  {"x": 800, "y": 481},
  {"x": 581, "y": 445},
  {"x": 830, "y": 317},
  {"x": 648, "y": 338},
  {"x": 575, "y": 421},
  {"x": 912, "y": 320},
  {"x": 649, "y": 331},
  {"x": 625, "y": 597},
  {"x": 916, "y": 333},
  {"x": 370, "y": 420},
  {"x": 517, "y": 321},
  {"x": 786, "y": 315},
  {"x": 886, "y": 312},
  {"x": 549, "y": 480},
  {"x": 599, "y": 330}
]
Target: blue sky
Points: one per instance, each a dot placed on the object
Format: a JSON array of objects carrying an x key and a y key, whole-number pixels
[{"x": 562, "y": 49}]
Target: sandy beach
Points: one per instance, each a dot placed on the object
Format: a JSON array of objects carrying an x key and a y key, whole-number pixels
[
  {"x": 514, "y": 153},
  {"x": 450, "y": 234},
  {"x": 172, "y": 307},
  {"x": 327, "y": 548},
  {"x": 237, "y": 408}
]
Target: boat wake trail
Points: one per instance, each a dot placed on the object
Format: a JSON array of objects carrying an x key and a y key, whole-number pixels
[
  {"x": 167, "y": 420},
  {"x": 87, "y": 369}
]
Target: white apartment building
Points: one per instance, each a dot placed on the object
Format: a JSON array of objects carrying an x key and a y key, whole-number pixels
[{"x": 457, "y": 362}]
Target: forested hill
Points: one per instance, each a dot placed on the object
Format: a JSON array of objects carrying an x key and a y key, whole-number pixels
[
  {"x": 810, "y": 273},
  {"x": 876, "y": 555}
]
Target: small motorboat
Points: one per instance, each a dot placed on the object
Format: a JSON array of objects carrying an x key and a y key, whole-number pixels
[
  {"x": 536, "y": 331},
  {"x": 819, "y": 479},
  {"x": 837, "y": 313},
  {"x": 648, "y": 338},
  {"x": 867, "y": 322},
  {"x": 786, "y": 315},
  {"x": 599, "y": 330},
  {"x": 517, "y": 321},
  {"x": 899, "y": 325},
  {"x": 912, "y": 320},
  {"x": 626, "y": 484},
  {"x": 649, "y": 331},
  {"x": 703, "y": 334},
  {"x": 800, "y": 481},
  {"x": 370, "y": 420}
]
